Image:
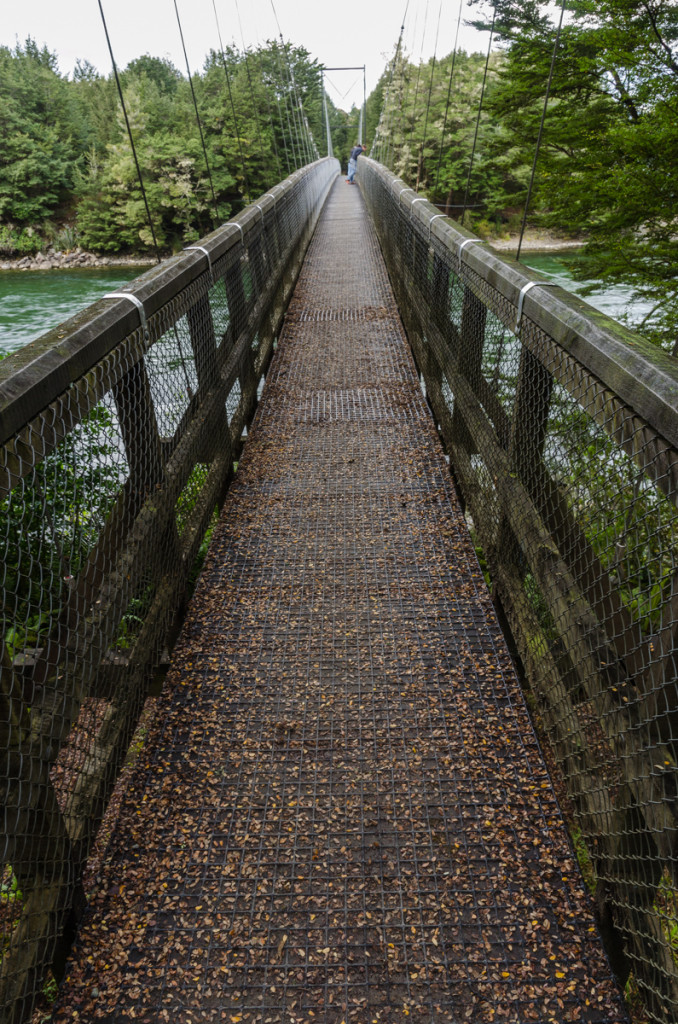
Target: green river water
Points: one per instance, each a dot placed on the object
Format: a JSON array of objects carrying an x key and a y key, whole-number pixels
[{"x": 33, "y": 302}]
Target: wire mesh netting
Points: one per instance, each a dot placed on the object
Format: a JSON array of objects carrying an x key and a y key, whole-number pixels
[
  {"x": 118, "y": 444},
  {"x": 563, "y": 441},
  {"x": 341, "y": 812}
]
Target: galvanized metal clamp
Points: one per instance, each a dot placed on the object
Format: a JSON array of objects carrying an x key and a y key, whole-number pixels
[
  {"x": 521, "y": 299},
  {"x": 201, "y": 248},
  {"x": 138, "y": 303}
]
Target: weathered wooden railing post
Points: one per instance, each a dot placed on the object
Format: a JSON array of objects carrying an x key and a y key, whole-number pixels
[
  {"x": 529, "y": 422},
  {"x": 469, "y": 362},
  {"x": 139, "y": 429},
  {"x": 205, "y": 353},
  {"x": 440, "y": 342},
  {"x": 238, "y": 308}
]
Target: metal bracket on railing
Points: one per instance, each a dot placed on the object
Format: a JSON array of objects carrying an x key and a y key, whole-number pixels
[
  {"x": 138, "y": 303},
  {"x": 260, "y": 209},
  {"x": 462, "y": 246},
  {"x": 419, "y": 200},
  {"x": 401, "y": 192},
  {"x": 434, "y": 217},
  {"x": 275, "y": 201},
  {"x": 235, "y": 224},
  {"x": 202, "y": 248},
  {"x": 521, "y": 299}
]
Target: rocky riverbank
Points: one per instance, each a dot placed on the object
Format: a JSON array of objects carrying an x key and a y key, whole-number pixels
[
  {"x": 536, "y": 240},
  {"x": 73, "y": 259}
]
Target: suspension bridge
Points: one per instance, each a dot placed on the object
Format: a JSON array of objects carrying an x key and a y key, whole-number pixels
[{"x": 339, "y": 616}]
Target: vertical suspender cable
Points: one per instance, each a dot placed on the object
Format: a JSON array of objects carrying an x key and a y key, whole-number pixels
[
  {"x": 296, "y": 156},
  {"x": 406, "y": 79},
  {"x": 330, "y": 151},
  {"x": 385, "y": 113},
  {"x": 388, "y": 127},
  {"x": 428, "y": 101},
  {"x": 541, "y": 129},
  {"x": 268, "y": 102},
  {"x": 197, "y": 117},
  {"x": 307, "y": 141},
  {"x": 449, "y": 93},
  {"x": 129, "y": 134},
  {"x": 405, "y": 92},
  {"x": 246, "y": 184},
  {"x": 294, "y": 109},
  {"x": 364, "y": 124},
  {"x": 282, "y": 129},
  {"x": 280, "y": 117},
  {"x": 379, "y": 133},
  {"x": 421, "y": 60},
  {"x": 480, "y": 108},
  {"x": 294, "y": 98}
]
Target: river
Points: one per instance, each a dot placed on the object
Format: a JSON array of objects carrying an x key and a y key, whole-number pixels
[
  {"x": 612, "y": 299},
  {"x": 34, "y": 301}
]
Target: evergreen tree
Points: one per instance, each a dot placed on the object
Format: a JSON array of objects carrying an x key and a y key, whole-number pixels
[
  {"x": 38, "y": 151},
  {"x": 608, "y": 162}
]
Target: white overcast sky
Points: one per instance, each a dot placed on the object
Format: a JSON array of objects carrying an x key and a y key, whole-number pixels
[{"x": 336, "y": 33}]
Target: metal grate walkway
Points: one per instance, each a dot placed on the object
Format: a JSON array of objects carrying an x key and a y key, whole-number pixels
[{"x": 342, "y": 813}]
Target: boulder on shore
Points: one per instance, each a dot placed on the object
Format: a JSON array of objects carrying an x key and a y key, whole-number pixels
[{"x": 74, "y": 259}]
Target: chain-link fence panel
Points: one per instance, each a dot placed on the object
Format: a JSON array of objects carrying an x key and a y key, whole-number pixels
[
  {"x": 120, "y": 430},
  {"x": 562, "y": 431}
]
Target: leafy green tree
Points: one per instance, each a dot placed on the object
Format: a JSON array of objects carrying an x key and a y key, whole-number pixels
[
  {"x": 238, "y": 123},
  {"x": 427, "y": 132},
  {"x": 607, "y": 165},
  {"x": 37, "y": 155},
  {"x": 67, "y": 154},
  {"x": 112, "y": 212}
]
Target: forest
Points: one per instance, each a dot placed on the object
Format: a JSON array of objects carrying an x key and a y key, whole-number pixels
[
  {"x": 599, "y": 94},
  {"x": 464, "y": 130},
  {"x": 68, "y": 175}
]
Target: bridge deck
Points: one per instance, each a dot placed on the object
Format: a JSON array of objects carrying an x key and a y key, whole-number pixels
[{"x": 342, "y": 813}]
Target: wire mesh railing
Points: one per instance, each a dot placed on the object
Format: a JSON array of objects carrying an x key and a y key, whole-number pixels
[
  {"x": 562, "y": 430},
  {"x": 120, "y": 430}
]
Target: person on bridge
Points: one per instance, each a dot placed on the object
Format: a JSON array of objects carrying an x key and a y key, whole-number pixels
[{"x": 353, "y": 162}]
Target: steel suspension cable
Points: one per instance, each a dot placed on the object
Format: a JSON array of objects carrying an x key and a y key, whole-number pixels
[
  {"x": 255, "y": 106},
  {"x": 387, "y": 132},
  {"x": 449, "y": 94},
  {"x": 541, "y": 129},
  {"x": 309, "y": 142},
  {"x": 364, "y": 120},
  {"x": 428, "y": 100},
  {"x": 293, "y": 102},
  {"x": 378, "y": 142},
  {"x": 398, "y": 49},
  {"x": 232, "y": 103},
  {"x": 421, "y": 60},
  {"x": 286, "y": 97},
  {"x": 480, "y": 109},
  {"x": 197, "y": 117},
  {"x": 379, "y": 132},
  {"x": 130, "y": 136},
  {"x": 294, "y": 99},
  {"x": 406, "y": 79},
  {"x": 282, "y": 124},
  {"x": 330, "y": 151}
]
